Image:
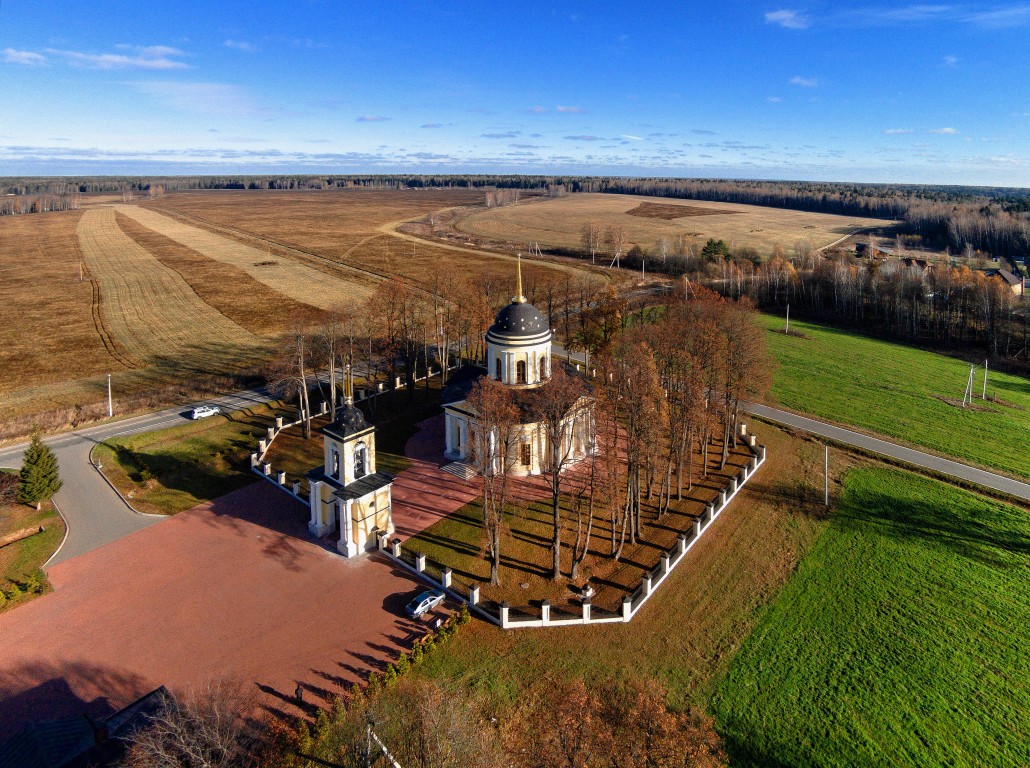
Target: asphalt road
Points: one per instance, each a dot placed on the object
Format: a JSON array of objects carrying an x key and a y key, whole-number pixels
[{"x": 94, "y": 513}]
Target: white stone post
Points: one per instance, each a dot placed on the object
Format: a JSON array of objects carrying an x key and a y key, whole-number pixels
[
  {"x": 752, "y": 440},
  {"x": 682, "y": 539},
  {"x": 281, "y": 478},
  {"x": 586, "y": 611},
  {"x": 395, "y": 548},
  {"x": 733, "y": 485},
  {"x": 420, "y": 562},
  {"x": 474, "y": 594},
  {"x": 278, "y": 423},
  {"x": 722, "y": 498},
  {"x": 761, "y": 452},
  {"x": 627, "y": 608},
  {"x": 545, "y": 611},
  {"x": 271, "y": 434},
  {"x": 267, "y": 469},
  {"x": 753, "y": 464},
  {"x": 262, "y": 447},
  {"x": 316, "y": 525},
  {"x": 445, "y": 578},
  {"x": 296, "y": 489},
  {"x": 254, "y": 460},
  {"x": 504, "y": 614},
  {"x": 647, "y": 583},
  {"x": 710, "y": 509},
  {"x": 697, "y": 528},
  {"x": 743, "y": 430},
  {"x": 665, "y": 563}
]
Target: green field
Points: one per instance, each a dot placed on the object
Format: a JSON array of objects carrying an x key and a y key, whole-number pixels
[
  {"x": 894, "y": 390},
  {"x": 902, "y": 640}
]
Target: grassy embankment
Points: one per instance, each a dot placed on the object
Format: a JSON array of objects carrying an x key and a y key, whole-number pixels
[
  {"x": 20, "y": 576},
  {"x": 900, "y": 641},
  {"x": 907, "y": 394}
]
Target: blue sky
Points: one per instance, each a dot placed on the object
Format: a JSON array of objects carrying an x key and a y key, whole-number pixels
[{"x": 931, "y": 93}]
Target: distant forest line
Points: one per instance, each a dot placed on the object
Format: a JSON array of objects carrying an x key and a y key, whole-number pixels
[{"x": 992, "y": 220}]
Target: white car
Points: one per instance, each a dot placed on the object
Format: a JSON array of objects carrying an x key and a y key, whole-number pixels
[
  {"x": 205, "y": 410},
  {"x": 424, "y": 603}
]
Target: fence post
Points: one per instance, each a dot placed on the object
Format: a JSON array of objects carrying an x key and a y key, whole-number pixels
[
  {"x": 281, "y": 478},
  {"x": 324, "y": 407},
  {"x": 647, "y": 583},
  {"x": 395, "y": 548},
  {"x": 733, "y": 486},
  {"x": 445, "y": 578},
  {"x": 627, "y": 608},
  {"x": 761, "y": 452},
  {"x": 665, "y": 563},
  {"x": 420, "y": 562},
  {"x": 278, "y": 423},
  {"x": 254, "y": 460},
  {"x": 504, "y": 614},
  {"x": 474, "y": 594},
  {"x": 682, "y": 539},
  {"x": 753, "y": 464},
  {"x": 268, "y": 470},
  {"x": 710, "y": 509},
  {"x": 752, "y": 440},
  {"x": 697, "y": 527},
  {"x": 271, "y": 434},
  {"x": 296, "y": 489},
  {"x": 722, "y": 499},
  {"x": 545, "y": 611},
  {"x": 262, "y": 447},
  {"x": 743, "y": 430},
  {"x": 586, "y": 611}
]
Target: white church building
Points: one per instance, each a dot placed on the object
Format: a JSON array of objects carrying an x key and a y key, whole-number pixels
[{"x": 519, "y": 355}]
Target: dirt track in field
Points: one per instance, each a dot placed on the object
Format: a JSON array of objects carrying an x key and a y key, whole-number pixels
[
  {"x": 149, "y": 310},
  {"x": 287, "y": 276}
]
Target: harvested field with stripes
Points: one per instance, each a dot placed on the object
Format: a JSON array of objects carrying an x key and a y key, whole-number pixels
[
  {"x": 295, "y": 280},
  {"x": 150, "y": 310}
]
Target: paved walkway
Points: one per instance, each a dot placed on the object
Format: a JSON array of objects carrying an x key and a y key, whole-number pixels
[
  {"x": 235, "y": 586},
  {"x": 893, "y": 450}
]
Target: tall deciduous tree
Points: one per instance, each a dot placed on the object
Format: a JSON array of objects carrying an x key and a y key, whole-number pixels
[
  {"x": 291, "y": 370},
  {"x": 40, "y": 477}
]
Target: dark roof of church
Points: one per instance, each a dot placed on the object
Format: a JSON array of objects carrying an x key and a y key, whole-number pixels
[
  {"x": 459, "y": 383},
  {"x": 365, "y": 485},
  {"x": 349, "y": 421},
  {"x": 519, "y": 320}
]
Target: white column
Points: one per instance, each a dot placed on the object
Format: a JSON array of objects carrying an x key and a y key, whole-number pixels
[
  {"x": 347, "y": 546},
  {"x": 448, "y": 428}
]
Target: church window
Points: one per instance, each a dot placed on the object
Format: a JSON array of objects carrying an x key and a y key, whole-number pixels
[
  {"x": 336, "y": 464},
  {"x": 526, "y": 454},
  {"x": 360, "y": 461},
  {"x": 497, "y": 369},
  {"x": 520, "y": 372},
  {"x": 543, "y": 368}
]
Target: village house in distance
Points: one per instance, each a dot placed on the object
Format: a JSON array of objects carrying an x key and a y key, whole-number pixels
[{"x": 518, "y": 354}]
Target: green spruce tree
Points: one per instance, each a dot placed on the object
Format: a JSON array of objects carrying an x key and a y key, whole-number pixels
[{"x": 39, "y": 478}]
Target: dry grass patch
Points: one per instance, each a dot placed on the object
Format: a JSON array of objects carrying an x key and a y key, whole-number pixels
[
  {"x": 558, "y": 222},
  {"x": 670, "y": 212}
]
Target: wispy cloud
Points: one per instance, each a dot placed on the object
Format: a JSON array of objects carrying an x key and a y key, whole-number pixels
[
  {"x": 241, "y": 45},
  {"x": 371, "y": 119},
  {"x": 897, "y": 131},
  {"x": 951, "y": 61},
  {"x": 632, "y": 138},
  {"x": 1002, "y": 18},
  {"x": 504, "y": 135},
  {"x": 431, "y": 125},
  {"x": 943, "y": 131},
  {"x": 203, "y": 98},
  {"x": 157, "y": 57},
  {"x": 774, "y": 99},
  {"x": 996, "y": 17},
  {"x": 28, "y": 58},
  {"x": 804, "y": 82},
  {"x": 586, "y": 137},
  {"x": 788, "y": 19},
  {"x": 571, "y": 110},
  {"x": 538, "y": 110}
]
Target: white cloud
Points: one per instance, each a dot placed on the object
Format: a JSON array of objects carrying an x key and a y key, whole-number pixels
[
  {"x": 804, "y": 82},
  {"x": 240, "y": 45},
  {"x": 431, "y": 125},
  {"x": 897, "y": 131},
  {"x": 943, "y": 131},
  {"x": 950, "y": 61},
  {"x": 203, "y": 98},
  {"x": 29, "y": 58},
  {"x": 158, "y": 57},
  {"x": 632, "y": 138},
  {"x": 538, "y": 110},
  {"x": 1002, "y": 18},
  {"x": 371, "y": 119},
  {"x": 788, "y": 19},
  {"x": 774, "y": 99},
  {"x": 572, "y": 110}
]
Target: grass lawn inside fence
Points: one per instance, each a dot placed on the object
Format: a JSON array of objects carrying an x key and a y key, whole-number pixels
[
  {"x": 901, "y": 640},
  {"x": 458, "y": 542},
  {"x": 688, "y": 631},
  {"x": 175, "y": 469},
  {"x": 908, "y": 394}
]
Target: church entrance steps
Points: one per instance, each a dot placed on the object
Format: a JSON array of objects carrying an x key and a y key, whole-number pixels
[{"x": 459, "y": 469}]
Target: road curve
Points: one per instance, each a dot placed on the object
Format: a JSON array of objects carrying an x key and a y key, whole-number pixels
[
  {"x": 916, "y": 458},
  {"x": 94, "y": 513}
]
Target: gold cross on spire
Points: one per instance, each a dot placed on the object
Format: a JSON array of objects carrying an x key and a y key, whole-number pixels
[{"x": 519, "y": 296}]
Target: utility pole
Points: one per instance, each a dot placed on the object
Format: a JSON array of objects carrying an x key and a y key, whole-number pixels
[
  {"x": 985, "y": 380},
  {"x": 826, "y": 476},
  {"x": 787, "y": 330},
  {"x": 110, "y": 406}
]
